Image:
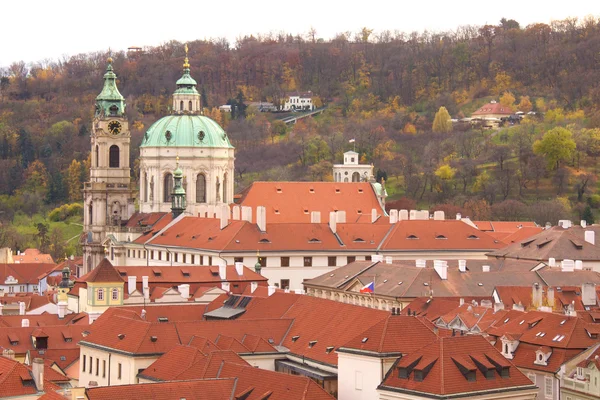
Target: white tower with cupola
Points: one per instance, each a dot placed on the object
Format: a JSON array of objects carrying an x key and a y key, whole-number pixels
[{"x": 109, "y": 195}]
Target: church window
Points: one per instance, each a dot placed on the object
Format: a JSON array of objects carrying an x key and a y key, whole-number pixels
[
  {"x": 115, "y": 294},
  {"x": 97, "y": 156},
  {"x": 201, "y": 135},
  {"x": 113, "y": 156},
  {"x": 225, "y": 194},
  {"x": 168, "y": 187},
  {"x": 355, "y": 177},
  {"x": 91, "y": 214},
  {"x": 190, "y": 105},
  {"x": 145, "y": 186}
]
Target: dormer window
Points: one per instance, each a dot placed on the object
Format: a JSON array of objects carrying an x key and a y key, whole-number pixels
[
  {"x": 441, "y": 237},
  {"x": 412, "y": 237},
  {"x": 472, "y": 237}
]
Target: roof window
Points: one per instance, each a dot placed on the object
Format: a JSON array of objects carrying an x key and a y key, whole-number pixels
[
  {"x": 412, "y": 237},
  {"x": 337, "y": 190},
  {"x": 472, "y": 237},
  {"x": 264, "y": 240},
  {"x": 311, "y": 190},
  {"x": 163, "y": 319},
  {"x": 312, "y": 343},
  {"x": 360, "y": 190},
  {"x": 294, "y": 338},
  {"x": 329, "y": 349},
  {"x": 279, "y": 190},
  {"x": 121, "y": 336},
  {"x": 364, "y": 340},
  {"x": 441, "y": 237},
  {"x": 563, "y": 321},
  {"x": 314, "y": 240}
]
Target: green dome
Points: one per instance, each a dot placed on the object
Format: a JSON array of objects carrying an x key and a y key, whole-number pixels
[{"x": 186, "y": 131}]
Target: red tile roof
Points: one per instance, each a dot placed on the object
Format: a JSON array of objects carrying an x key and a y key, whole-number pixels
[
  {"x": 16, "y": 380},
  {"x": 493, "y": 108},
  {"x": 434, "y": 307},
  {"x": 104, "y": 272},
  {"x": 30, "y": 273},
  {"x": 214, "y": 389},
  {"x": 444, "y": 364},
  {"x": 293, "y": 202},
  {"x": 19, "y": 339},
  {"x": 32, "y": 256}
]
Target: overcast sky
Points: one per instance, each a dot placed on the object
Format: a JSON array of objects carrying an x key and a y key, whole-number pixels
[{"x": 35, "y": 30}]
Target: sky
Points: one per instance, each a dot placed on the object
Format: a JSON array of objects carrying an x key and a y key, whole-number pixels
[{"x": 38, "y": 30}]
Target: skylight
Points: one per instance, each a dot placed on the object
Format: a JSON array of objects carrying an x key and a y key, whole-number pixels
[
  {"x": 563, "y": 321},
  {"x": 364, "y": 340}
]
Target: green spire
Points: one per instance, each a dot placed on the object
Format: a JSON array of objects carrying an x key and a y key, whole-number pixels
[
  {"x": 186, "y": 84},
  {"x": 110, "y": 102},
  {"x": 178, "y": 195}
]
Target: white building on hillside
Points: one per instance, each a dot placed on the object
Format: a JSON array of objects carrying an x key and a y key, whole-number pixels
[{"x": 351, "y": 170}]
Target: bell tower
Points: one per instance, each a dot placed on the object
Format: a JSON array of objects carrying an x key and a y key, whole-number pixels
[{"x": 109, "y": 195}]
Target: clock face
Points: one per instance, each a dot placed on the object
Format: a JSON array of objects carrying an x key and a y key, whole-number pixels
[{"x": 114, "y": 127}]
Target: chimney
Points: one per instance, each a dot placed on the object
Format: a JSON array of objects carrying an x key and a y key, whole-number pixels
[
  {"x": 461, "y": 301},
  {"x": 377, "y": 258},
  {"x": 8, "y": 353},
  {"x": 145, "y": 287},
  {"x": 341, "y": 217},
  {"x": 412, "y": 215},
  {"x": 217, "y": 212},
  {"x": 583, "y": 223},
  {"x": 578, "y": 264},
  {"x": 458, "y": 216},
  {"x": 246, "y": 213},
  {"x": 25, "y": 323},
  {"x": 498, "y": 306},
  {"x": 239, "y": 268},
  {"x": 564, "y": 223},
  {"x": 373, "y": 215},
  {"x": 184, "y": 290},
  {"x": 439, "y": 216},
  {"x": 518, "y": 307},
  {"x": 588, "y": 294},
  {"x": 441, "y": 267},
  {"x": 21, "y": 308},
  {"x": 388, "y": 259},
  {"x": 225, "y": 286},
  {"x": 486, "y": 303},
  {"x": 536, "y": 295},
  {"x": 223, "y": 271},
  {"x": 590, "y": 237},
  {"x": 261, "y": 218},
  {"x": 1, "y": 307},
  {"x": 236, "y": 213},
  {"x": 333, "y": 222},
  {"x": 315, "y": 217},
  {"x": 393, "y": 216},
  {"x": 253, "y": 286},
  {"x": 462, "y": 265},
  {"x": 567, "y": 265},
  {"x": 420, "y": 263},
  {"x": 272, "y": 290},
  {"x": 403, "y": 215},
  {"x": 131, "y": 283},
  {"x": 62, "y": 309},
  {"x": 550, "y": 297},
  {"x": 210, "y": 211},
  {"x": 37, "y": 370},
  {"x": 485, "y": 268},
  {"x": 224, "y": 216},
  {"x": 552, "y": 262}
]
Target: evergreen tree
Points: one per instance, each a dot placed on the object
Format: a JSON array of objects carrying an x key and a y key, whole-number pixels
[
  {"x": 25, "y": 148},
  {"x": 588, "y": 215},
  {"x": 203, "y": 97}
]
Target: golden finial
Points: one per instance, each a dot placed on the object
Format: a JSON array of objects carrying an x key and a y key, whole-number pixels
[
  {"x": 110, "y": 60},
  {"x": 186, "y": 62}
]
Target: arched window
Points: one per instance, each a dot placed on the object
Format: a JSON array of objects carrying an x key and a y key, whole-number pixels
[
  {"x": 113, "y": 156},
  {"x": 167, "y": 187},
  {"x": 115, "y": 294},
  {"x": 225, "y": 193},
  {"x": 113, "y": 110},
  {"x": 356, "y": 177},
  {"x": 190, "y": 105},
  {"x": 145, "y": 186},
  {"x": 181, "y": 105},
  {"x": 506, "y": 348},
  {"x": 200, "y": 188},
  {"x": 91, "y": 214},
  {"x": 97, "y": 155}
]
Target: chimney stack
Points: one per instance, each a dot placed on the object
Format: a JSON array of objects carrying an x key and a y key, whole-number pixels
[
  {"x": 420, "y": 263},
  {"x": 224, "y": 216},
  {"x": 441, "y": 267},
  {"x": 236, "y": 213},
  {"x": 458, "y": 216},
  {"x": 247, "y": 213},
  {"x": 225, "y": 286},
  {"x": 552, "y": 262},
  {"x": 25, "y": 323},
  {"x": 184, "y": 290},
  {"x": 550, "y": 297},
  {"x": 333, "y": 222},
  {"x": 131, "y": 283},
  {"x": 578, "y": 264},
  {"x": 373, "y": 215},
  {"x": 145, "y": 287},
  {"x": 567, "y": 265},
  {"x": 340, "y": 216},
  {"x": 536, "y": 296},
  {"x": 583, "y": 223},
  {"x": 377, "y": 258},
  {"x": 485, "y": 268},
  {"x": 272, "y": 290},
  {"x": 412, "y": 215},
  {"x": 37, "y": 370},
  {"x": 462, "y": 265},
  {"x": 261, "y": 218},
  {"x": 439, "y": 216},
  {"x": 403, "y": 215},
  {"x": 315, "y": 217},
  {"x": 588, "y": 294},
  {"x": 21, "y": 308},
  {"x": 253, "y": 286},
  {"x": 388, "y": 259},
  {"x": 223, "y": 271},
  {"x": 239, "y": 268},
  {"x": 590, "y": 237},
  {"x": 62, "y": 309},
  {"x": 393, "y": 216}
]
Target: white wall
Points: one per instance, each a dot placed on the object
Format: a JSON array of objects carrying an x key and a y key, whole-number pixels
[{"x": 359, "y": 376}]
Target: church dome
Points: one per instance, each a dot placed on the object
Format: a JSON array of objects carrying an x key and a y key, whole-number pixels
[{"x": 183, "y": 130}]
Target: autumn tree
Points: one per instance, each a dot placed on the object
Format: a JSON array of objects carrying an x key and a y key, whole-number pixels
[
  {"x": 442, "y": 122},
  {"x": 525, "y": 104},
  {"x": 508, "y": 100},
  {"x": 557, "y": 145},
  {"x": 74, "y": 181}
]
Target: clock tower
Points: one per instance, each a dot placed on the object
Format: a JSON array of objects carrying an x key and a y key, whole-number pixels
[{"x": 109, "y": 195}]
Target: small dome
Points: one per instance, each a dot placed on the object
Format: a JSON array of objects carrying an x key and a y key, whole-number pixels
[{"x": 186, "y": 131}]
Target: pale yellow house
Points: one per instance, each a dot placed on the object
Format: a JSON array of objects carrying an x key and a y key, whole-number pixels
[{"x": 102, "y": 288}]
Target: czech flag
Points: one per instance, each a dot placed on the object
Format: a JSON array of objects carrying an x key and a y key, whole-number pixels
[{"x": 368, "y": 288}]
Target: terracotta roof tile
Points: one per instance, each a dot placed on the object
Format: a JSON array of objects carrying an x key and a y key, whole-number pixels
[
  {"x": 214, "y": 389},
  {"x": 104, "y": 272}
]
